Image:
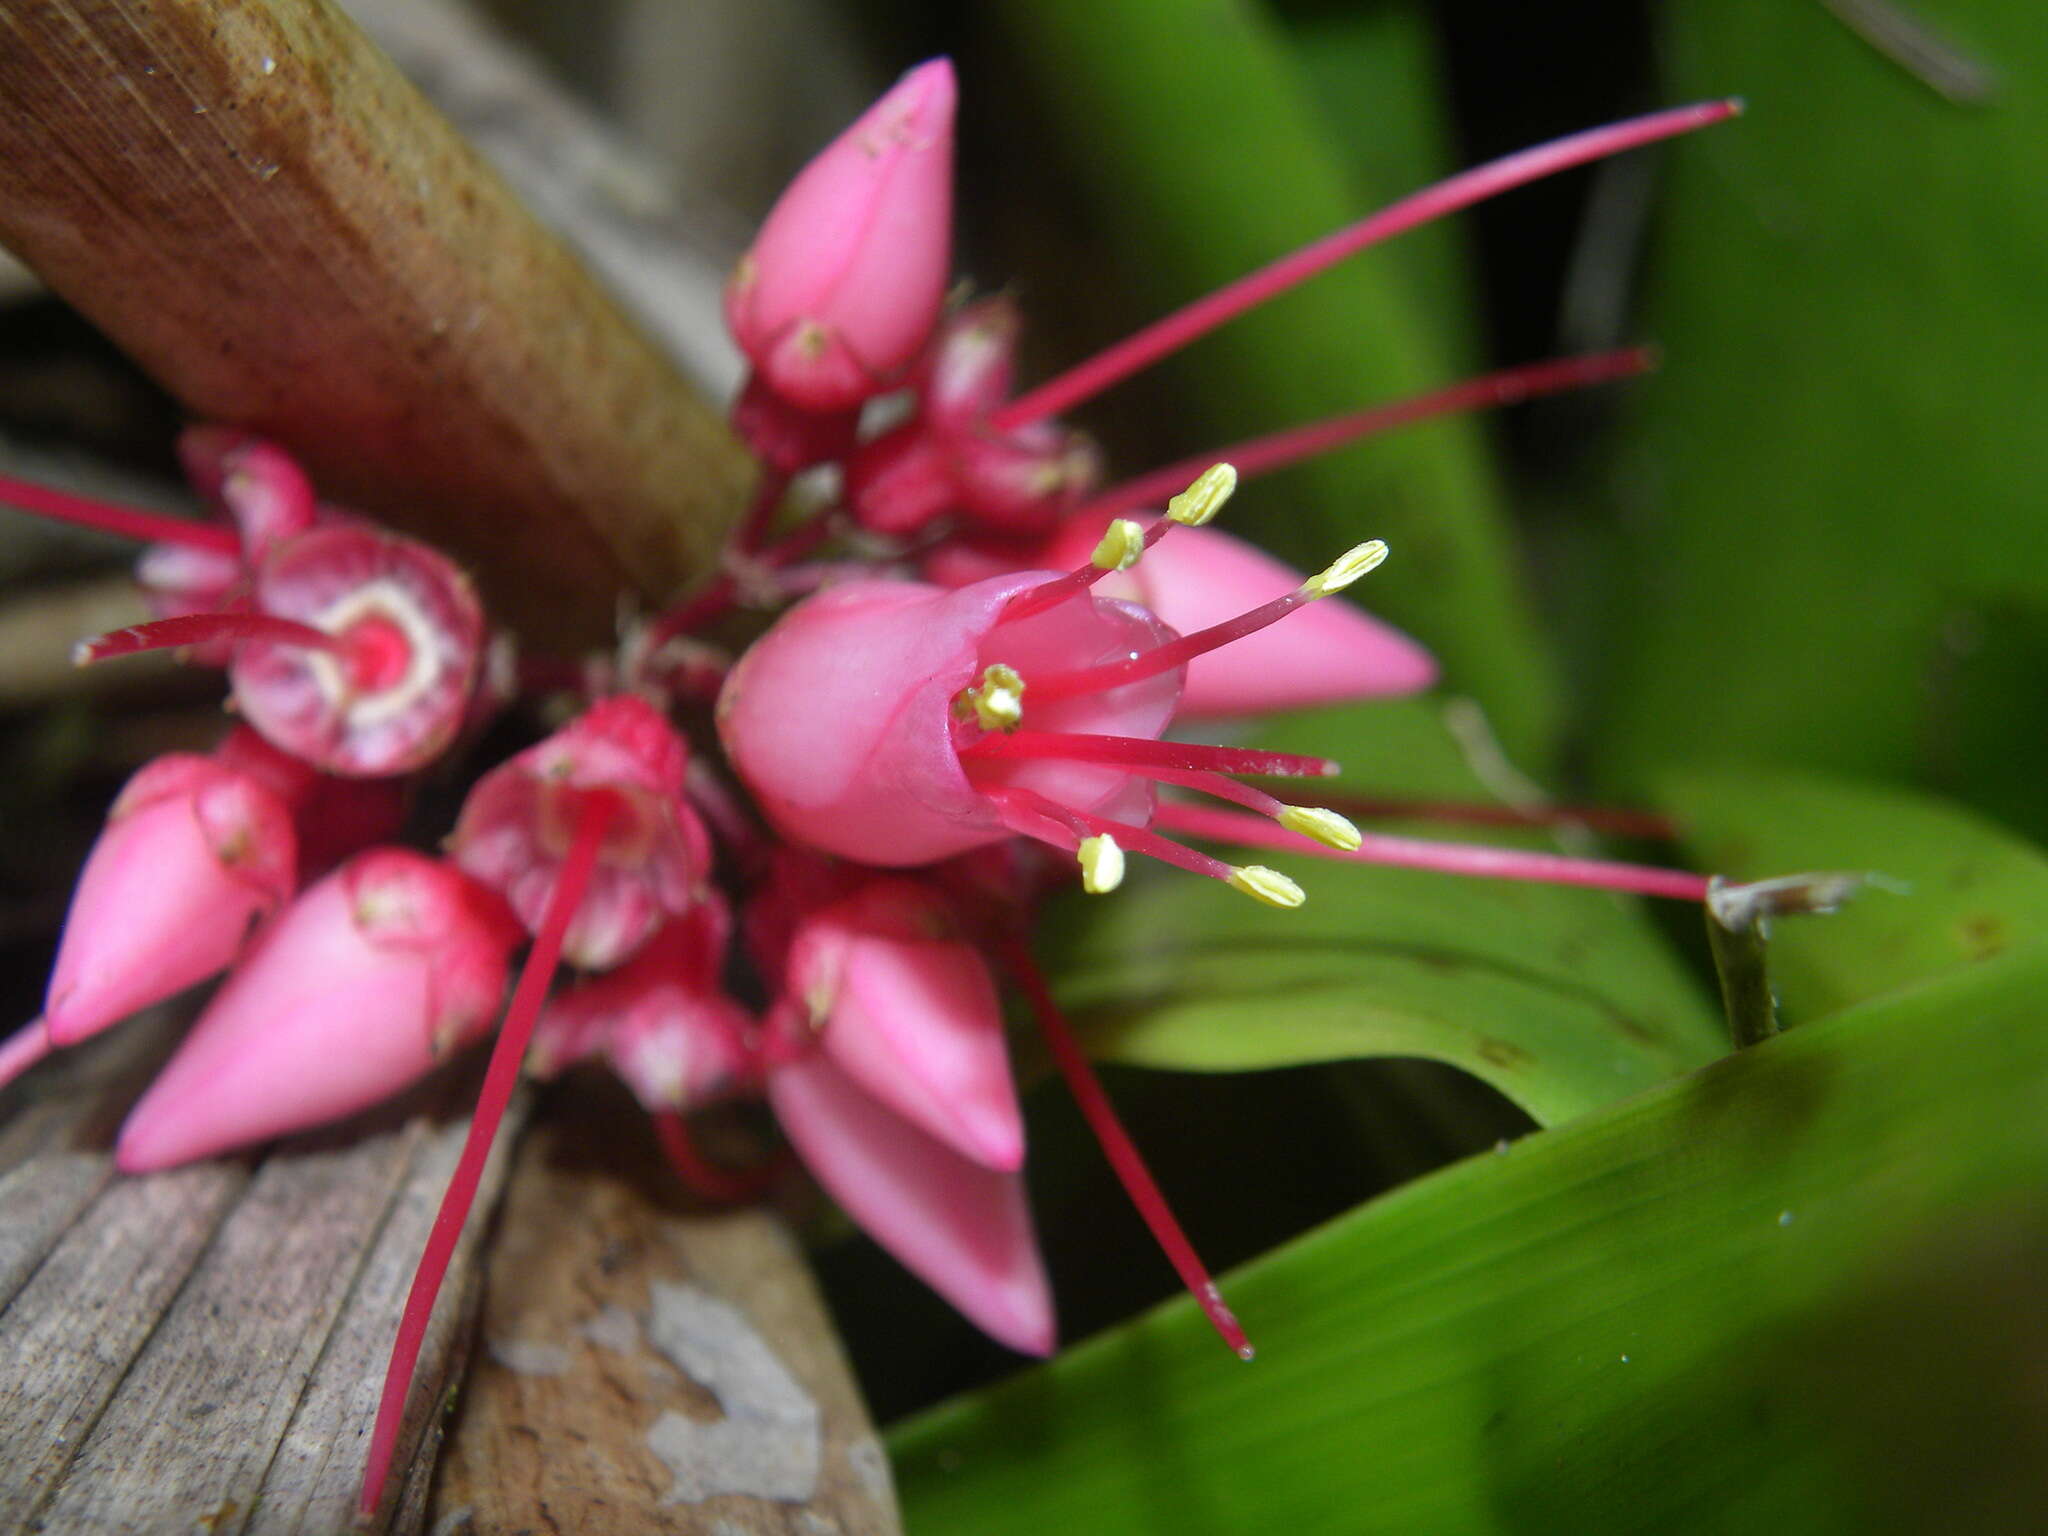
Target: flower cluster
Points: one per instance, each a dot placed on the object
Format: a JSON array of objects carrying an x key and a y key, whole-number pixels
[{"x": 822, "y": 909}]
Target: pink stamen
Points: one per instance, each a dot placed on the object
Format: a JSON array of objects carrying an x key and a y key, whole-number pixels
[
  {"x": 1037, "y": 808},
  {"x": 1183, "y": 326},
  {"x": 1143, "y": 752},
  {"x": 1598, "y": 818},
  {"x": 198, "y": 628},
  {"x": 1263, "y": 455},
  {"x": 1223, "y": 789},
  {"x": 127, "y": 522},
  {"x": 499, "y": 1080},
  {"x": 1447, "y": 858},
  {"x": 726, "y": 1186},
  {"x": 28, "y": 1045},
  {"x": 1163, "y": 658},
  {"x": 1122, "y": 1152}
]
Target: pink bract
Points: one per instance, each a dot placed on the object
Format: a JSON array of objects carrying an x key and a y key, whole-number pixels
[
  {"x": 840, "y": 719},
  {"x": 360, "y": 987}
]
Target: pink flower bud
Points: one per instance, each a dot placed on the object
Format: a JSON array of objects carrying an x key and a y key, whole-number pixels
[
  {"x": 260, "y": 485},
  {"x": 194, "y": 853},
  {"x": 972, "y": 363},
  {"x": 333, "y": 818},
  {"x": 1327, "y": 653},
  {"x": 662, "y": 1019},
  {"x": 517, "y": 824},
  {"x": 787, "y": 438},
  {"x": 901, "y": 481},
  {"x": 1024, "y": 482},
  {"x": 842, "y": 719},
  {"x": 841, "y": 290},
  {"x": 908, "y": 1010},
  {"x": 361, "y": 986},
  {"x": 962, "y": 1228},
  {"x": 393, "y": 695}
]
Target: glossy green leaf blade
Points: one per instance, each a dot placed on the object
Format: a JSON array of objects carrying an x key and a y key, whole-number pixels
[
  {"x": 1836, "y": 556},
  {"x": 1563, "y": 999},
  {"x": 1795, "y": 1291},
  {"x": 1198, "y": 144},
  {"x": 1959, "y": 890}
]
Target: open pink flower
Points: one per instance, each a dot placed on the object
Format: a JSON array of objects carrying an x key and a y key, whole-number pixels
[{"x": 519, "y": 821}]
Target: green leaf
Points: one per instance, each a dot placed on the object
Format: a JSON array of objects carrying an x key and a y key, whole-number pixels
[
  {"x": 1795, "y": 1291},
  {"x": 1195, "y": 136},
  {"x": 1836, "y": 557},
  {"x": 1562, "y": 999},
  {"x": 1969, "y": 890}
]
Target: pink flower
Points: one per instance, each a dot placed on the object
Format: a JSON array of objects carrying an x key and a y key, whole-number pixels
[
  {"x": 194, "y": 854},
  {"x": 361, "y": 986},
  {"x": 518, "y": 823},
  {"x": 841, "y": 289}
]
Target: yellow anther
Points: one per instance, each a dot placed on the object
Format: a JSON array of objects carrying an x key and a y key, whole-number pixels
[
  {"x": 1204, "y": 499},
  {"x": 1346, "y": 568},
  {"x": 997, "y": 701},
  {"x": 1122, "y": 542},
  {"x": 1102, "y": 864},
  {"x": 1326, "y": 827},
  {"x": 1267, "y": 885}
]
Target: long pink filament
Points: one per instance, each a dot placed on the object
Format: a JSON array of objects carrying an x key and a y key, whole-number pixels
[
  {"x": 1620, "y": 821},
  {"x": 1263, "y": 455},
  {"x": 126, "y": 522},
  {"x": 499, "y": 1080},
  {"x": 198, "y": 629},
  {"x": 1036, "y": 807},
  {"x": 1141, "y": 751},
  {"x": 1163, "y": 658},
  {"x": 1184, "y": 325},
  {"x": 1446, "y": 858},
  {"x": 1122, "y": 1152}
]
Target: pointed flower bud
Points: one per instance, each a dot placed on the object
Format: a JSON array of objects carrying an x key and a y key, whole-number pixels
[
  {"x": 906, "y": 1008},
  {"x": 194, "y": 853},
  {"x": 958, "y": 1225},
  {"x": 517, "y": 824},
  {"x": 839, "y": 294},
  {"x": 391, "y": 696},
  {"x": 360, "y": 987}
]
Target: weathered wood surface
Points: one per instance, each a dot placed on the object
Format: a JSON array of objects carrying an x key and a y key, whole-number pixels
[
  {"x": 251, "y": 200},
  {"x": 202, "y": 1349},
  {"x": 647, "y": 1367}
]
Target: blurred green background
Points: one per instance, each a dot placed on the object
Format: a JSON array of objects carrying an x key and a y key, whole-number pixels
[{"x": 1792, "y": 591}]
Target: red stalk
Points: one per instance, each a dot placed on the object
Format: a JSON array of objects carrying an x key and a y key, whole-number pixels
[
  {"x": 1140, "y": 751},
  {"x": 1598, "y": 818},
  {"x": 1121, "y": 1151},
  {"x": 127, "y": 522},
  {"x": 499, "y": 1080},
  {"x": 1162, "y": 658},
  {"x": 198, "y": 628},
  {"x": 1136, "y": 839},
  {"x": 1446, "y": 858},
  {"x": 1170, "y": 334},
  {"x": 1263, "y": 455}
]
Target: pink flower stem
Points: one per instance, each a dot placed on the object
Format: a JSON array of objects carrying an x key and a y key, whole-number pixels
[
  {"x": 1176, "y": 330},
  {"x": 499, "y": 1080},
  {"x": 1598, "y": 818},
  {"x": 726, "y": 1186},
  {"x": 1121, "y": 1151},
  {"x": 1034, "y": 807},
  {"x": 27, "y": 1046},
  {"x": 1163, "y": 658},
  {"x": 721, "y": 595},
  {"x": 1142, "y": 752},
  {"x": 754, "y": 528},
  {"x": 1035, "y": 600},
  {"x": 127, "y": 522},
  {"x": 1263, "y": 455},
  {"x": 1447, "y": 858},
  {"x": 198, "y": 628}
]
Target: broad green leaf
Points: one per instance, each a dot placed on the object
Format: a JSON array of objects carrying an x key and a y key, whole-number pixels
[
  {"x": 1795, "y": 1291},
  {"x": 1837, "y": 557},
  {"x": 1195, "y": 136},
  {"x": 1967, "y": 891},
  {"x": 1561, "y": 999}
]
